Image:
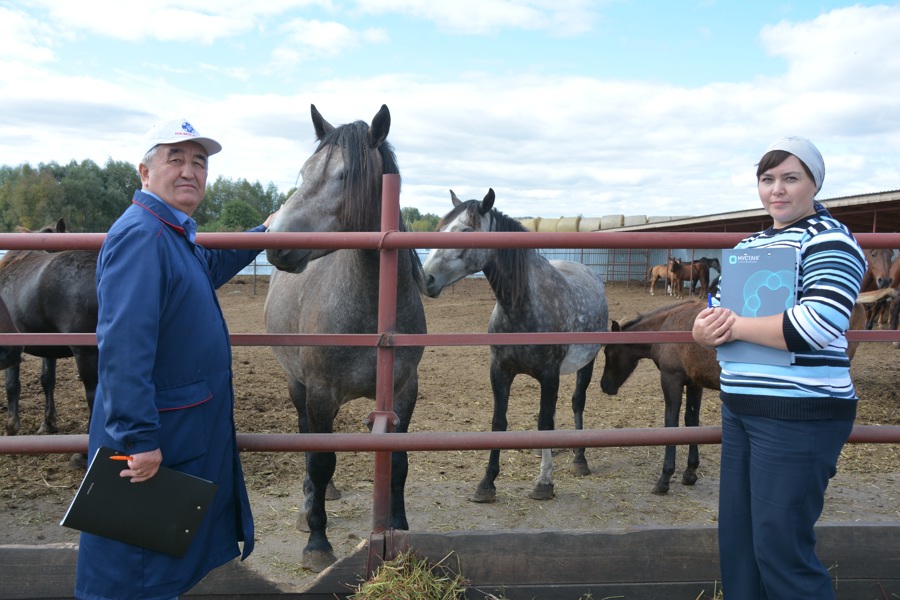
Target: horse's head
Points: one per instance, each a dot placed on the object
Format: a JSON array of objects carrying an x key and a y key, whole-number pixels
[
  {"x": 879, "y": 260},
  {"x": 620, "y": 362},
  {"x": 341, "y": 187},
  {"x": 714, "y": 264},
  {"x": 446, "y": 266}
]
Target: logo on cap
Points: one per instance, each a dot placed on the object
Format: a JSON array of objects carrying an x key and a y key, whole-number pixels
[{"x": 188, "y": 128}]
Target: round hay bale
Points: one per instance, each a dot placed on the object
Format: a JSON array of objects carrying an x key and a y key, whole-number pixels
[
  {"x": 546, "y": 225},
  {"x": 528, "y": 224},
  {"x": 632, "y": 220},
  {"x": 568, "y": 224},
  {"x": 589, "y": 224},
  {"x": 611, "y": 221}
]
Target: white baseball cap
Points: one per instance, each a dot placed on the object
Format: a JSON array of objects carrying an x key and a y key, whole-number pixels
[{"x": 173, "y": 131}]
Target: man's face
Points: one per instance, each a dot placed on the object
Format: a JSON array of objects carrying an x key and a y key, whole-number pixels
[{"x": 177, "y": 174}]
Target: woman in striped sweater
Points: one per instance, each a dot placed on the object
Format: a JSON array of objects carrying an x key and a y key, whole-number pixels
[{"x": 783, "y": 427}]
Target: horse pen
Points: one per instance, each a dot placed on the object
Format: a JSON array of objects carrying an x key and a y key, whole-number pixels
[{"x": 603, "y": 535}]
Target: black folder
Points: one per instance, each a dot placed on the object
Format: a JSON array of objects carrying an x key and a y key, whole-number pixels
[{"x": 162, "y": 513}]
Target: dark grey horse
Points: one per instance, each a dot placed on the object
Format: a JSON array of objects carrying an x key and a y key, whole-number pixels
[
  {"x": 49, "y": 292},
  {"x": 327, "y": 291},
  {"x": 533, "y": 295}
]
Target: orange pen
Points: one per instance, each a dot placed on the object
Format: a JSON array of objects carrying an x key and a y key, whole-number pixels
[{"x": 121, "y": 457}]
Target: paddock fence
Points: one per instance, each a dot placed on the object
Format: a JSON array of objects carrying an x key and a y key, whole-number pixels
[{"x": 384, "y": 543}]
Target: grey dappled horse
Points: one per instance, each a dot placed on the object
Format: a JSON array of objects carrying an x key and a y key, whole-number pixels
[
  {"x": 533, "y": 295},
  {"x": 336, "y": 291}
]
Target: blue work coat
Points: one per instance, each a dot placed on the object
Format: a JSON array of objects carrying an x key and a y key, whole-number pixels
[{"x": 165, "y": 382}]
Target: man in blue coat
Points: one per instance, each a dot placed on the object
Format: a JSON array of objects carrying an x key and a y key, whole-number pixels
[{"x": 165, "y": 394}]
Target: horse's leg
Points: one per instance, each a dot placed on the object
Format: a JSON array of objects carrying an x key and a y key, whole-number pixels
[
  {"x": 86, "y": 363},
  {"x": 672, "y": 389},
  {"x": 48, "y": 384},
  {"x": 543, "y": 485},
  {"x": 500, "y": 384},
  {"x": 13, "y": 391},
  {"x": 895, "y": 317},
  {"x": 693, "y": 396},
  {"x": 582, "y": 381},
  {"x": 404, "y": 404},
  {"x": 318, "y": 553},
  {"x": 653, "y": 280}
]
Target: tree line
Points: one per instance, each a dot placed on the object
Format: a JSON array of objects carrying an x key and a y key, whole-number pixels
[{"x": 90, "y": 198}]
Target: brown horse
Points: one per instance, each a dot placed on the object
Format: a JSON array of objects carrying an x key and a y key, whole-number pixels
[
  {"x": 665, "y": 272},
  {"x": 49, "y": 292},
  {"x": 880, "y": 275},
  {"x": 692, "y": 272},
  {"x": 711, "y": 263},
  {"x": 684, "y": 369}
]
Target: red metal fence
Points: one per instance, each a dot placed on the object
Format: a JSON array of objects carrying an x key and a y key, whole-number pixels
[{"x": 388, "y": 242}]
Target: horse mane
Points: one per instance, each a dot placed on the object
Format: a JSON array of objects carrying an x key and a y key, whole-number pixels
[
  {"x": 361, "y": 208},
  {"x": 510, "y": 264}
]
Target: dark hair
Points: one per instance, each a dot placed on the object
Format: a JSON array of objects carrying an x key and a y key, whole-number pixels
[{"x": 773, "y": 158}]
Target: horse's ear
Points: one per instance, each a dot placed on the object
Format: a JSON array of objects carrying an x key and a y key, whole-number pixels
[
  {"x": 381, "y": 124},
  {"x": 321, "y": 126},
  {"x": 456, "y": 201},
  {"x": 487, "y": 203},
  {"x": 614, "y": 326},
  {"x": 61, "y": 225}
]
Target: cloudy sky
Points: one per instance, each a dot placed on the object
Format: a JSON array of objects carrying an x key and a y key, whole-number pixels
[{"x": 564, "y": 107}]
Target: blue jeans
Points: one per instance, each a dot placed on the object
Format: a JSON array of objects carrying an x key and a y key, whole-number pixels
[{"x": 771, "y": 491}]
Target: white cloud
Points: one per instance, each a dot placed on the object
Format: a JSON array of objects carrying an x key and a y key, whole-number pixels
[
  {"x": 548, "y": 145},
  {"x": 23, "y": 38},
  {"x": 309, "y": 39},
  {"x": 485, "y": 16},
  {"x": 852, "y": 49}
]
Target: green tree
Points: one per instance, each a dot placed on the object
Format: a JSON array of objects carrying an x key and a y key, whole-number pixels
[
  {"x": 82, "y": 184},
  {"x": 120, "y": 180},
  {"x": 239, "y": 216}
]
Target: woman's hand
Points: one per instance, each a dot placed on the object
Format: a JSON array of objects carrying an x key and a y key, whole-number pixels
[{"x": 712, "y": 327}]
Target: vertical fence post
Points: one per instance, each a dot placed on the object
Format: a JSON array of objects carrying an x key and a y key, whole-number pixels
[{"x": 387, "y": 323}]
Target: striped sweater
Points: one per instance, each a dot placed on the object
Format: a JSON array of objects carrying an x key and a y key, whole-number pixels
[{"x": 817, "y": 385}]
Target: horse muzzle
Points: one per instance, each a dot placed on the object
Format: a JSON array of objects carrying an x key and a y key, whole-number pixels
[{"x": 291, "y": 260}]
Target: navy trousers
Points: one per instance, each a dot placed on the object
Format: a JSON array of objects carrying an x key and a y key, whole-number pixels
[{"x": 771, "y": 491}]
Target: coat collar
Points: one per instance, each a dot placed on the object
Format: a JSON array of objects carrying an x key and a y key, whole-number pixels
[{"x": 158, "y": 209}]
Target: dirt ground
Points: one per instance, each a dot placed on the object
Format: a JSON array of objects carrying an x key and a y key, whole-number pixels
[{"x": 455, "y": 395}]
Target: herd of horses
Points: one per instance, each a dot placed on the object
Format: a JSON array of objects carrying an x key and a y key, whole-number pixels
[
  {"x": 675, "y": 273},
  {"x": 336, "y": 291}
]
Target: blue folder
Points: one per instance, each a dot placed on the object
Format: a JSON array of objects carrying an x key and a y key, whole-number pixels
[{"x": 758, "y": 282}]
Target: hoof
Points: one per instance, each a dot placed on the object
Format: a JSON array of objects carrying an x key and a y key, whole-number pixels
[
  {"x": 689, "y": 479},
  {"x": 581, "y": 469},
  {"x": 483, "y": 496},
  {"x": 542, "y": 491},
  {"x": 331, "y": 492},
  {"x": 47, "y": 428},
  {"x": 317, "y": 560},
  {"x": 78, "y": 461},
  {"x": 661, "y": 489}
]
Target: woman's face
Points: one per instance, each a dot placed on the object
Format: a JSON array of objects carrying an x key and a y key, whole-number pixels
[{"x": 787, "y": 192}]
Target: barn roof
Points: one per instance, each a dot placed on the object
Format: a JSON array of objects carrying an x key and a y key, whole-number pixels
[{"x": 868, "y": 213}]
